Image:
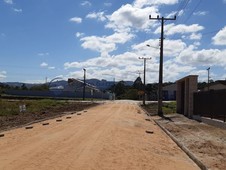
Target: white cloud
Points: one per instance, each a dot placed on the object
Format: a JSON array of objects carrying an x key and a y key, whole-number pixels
[
  {"x": 79, "y": 34},
  {"x": 220, "y": 37},
  {"x": 17, "y": 10},
  {"x": 204, "y": 57},
  {"x": 43, "y": 64},
  {"x": 200, "y": 13},
  {"x": 195, "y": 36},
  {"x": 172, "y": 29},
  {"x": 129, "y": 17},
  {"x": 105, "y": 44},
  {"x": 173, "y": 70},
  {"x": 76, "y": 20},
  {"x": 8, "y": 1},
  {"x": 2, "y": 75},
  {"x": 100, "y": 16},
  {"x": 86, "y": 3},
  {"x": 142, "y": 3},
  {"x": 224, "y": 1}
]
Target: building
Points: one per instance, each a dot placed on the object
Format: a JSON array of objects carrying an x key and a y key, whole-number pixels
[
  {"x": 217, "y": 85},
  {"x": 169, "y": 92}
]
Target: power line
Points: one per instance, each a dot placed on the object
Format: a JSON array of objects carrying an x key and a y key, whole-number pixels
[{"x": 189, "y": 16}]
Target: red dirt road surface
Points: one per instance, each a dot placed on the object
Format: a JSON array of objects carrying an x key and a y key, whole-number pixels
[{"x": 111, "y": 136}]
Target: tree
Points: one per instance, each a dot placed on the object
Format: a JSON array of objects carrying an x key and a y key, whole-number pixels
[
  {"x": 24, "y": 87},
  {"x": 120, "y": 88},
  {"x": 41, "y": 87},
  {"x": 138, "y": 84}
]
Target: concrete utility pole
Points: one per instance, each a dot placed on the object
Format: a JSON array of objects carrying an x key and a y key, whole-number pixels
[
  {"x": 208, "y": 83},
  {"x": 143, "y": 58},
  {"x": 84, "y": 84},
  {"x": 162, "y": 19}
]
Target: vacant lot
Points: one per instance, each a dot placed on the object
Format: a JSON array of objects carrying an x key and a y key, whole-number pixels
[
  {"x": 10, "y": 115},
  {"x": 111, "y": 136}
]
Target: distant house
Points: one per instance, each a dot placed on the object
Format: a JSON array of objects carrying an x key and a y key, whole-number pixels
[
  {"x": 169, "y": 92},
  {"x": 217, "y": 85}
]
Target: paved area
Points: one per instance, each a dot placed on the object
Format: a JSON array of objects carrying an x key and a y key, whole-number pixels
[{"x": 111, "y": 136}]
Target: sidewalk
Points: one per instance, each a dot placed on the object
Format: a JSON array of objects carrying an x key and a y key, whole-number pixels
[{"x": 207, "y": 143}]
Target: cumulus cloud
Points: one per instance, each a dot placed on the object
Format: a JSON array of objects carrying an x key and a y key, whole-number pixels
[
  {"x": 220, "y": 37},
  {"x": 105, "y": 44},
  {"x": 195, "y": 36},
  {"x": 172, "y": 29},
  {"x": 100, "y": 16},
  {"x": 128, "y": 17},
  {"x": 76, "y": 20},
  {"x": 142, "y": 3},
  {"x": 204, "y": 57}
]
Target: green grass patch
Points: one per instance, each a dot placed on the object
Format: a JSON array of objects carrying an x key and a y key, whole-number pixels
[
  {"x": 167, "y": 108},
  {"x": 12, "y": 107}
]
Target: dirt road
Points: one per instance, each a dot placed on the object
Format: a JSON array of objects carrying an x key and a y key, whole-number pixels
[{"x": 111, "y": 136}]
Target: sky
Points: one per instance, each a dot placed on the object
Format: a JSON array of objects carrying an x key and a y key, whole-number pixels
[{"x": 44, "y": 39}]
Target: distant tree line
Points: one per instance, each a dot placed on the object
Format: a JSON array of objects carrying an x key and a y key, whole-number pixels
[
  {"x": 40, "y": 87},
  {"x": 135, "y": 92}
]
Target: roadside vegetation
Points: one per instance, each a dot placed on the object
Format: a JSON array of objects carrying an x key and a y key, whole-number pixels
[
  {"x": 168, "y": 108},
  {"x": 14, "y": 107}
]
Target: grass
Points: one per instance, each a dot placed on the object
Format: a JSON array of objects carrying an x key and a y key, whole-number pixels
[
  {"x": 168, "y": 108},
  {"x": 11, "y": 107}
]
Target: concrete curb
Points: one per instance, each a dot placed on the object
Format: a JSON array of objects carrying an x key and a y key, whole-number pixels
[{"x": 185, "y": 149}]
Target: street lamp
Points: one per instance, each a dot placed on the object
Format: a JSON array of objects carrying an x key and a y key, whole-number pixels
[
  {"x": 84, "y": 84},
  {"x": 144, "y": 58},
  {"x": 208, "y": 83}
]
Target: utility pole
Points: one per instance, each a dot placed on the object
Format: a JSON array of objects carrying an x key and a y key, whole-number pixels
[
  {"x": 84, "y": 84},
  {"x": 144, "y": 58},
  {"x": 208, "y": 83},
  {"x": 162, "y": 19}
]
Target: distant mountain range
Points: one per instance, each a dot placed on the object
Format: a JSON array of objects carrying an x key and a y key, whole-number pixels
[{"x": 100, "y": 84}]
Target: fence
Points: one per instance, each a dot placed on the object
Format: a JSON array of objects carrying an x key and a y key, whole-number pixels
[
  {"x": 58, "y": 93},
  {"x": 211, "y": 104}
]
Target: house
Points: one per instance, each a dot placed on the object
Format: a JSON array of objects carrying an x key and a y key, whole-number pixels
[
  {"x": 217, "y": 85},
  {"x": 169, "y": 92}
]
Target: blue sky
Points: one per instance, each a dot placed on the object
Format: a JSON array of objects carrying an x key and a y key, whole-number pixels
[{"x": 58, "y": 38}]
